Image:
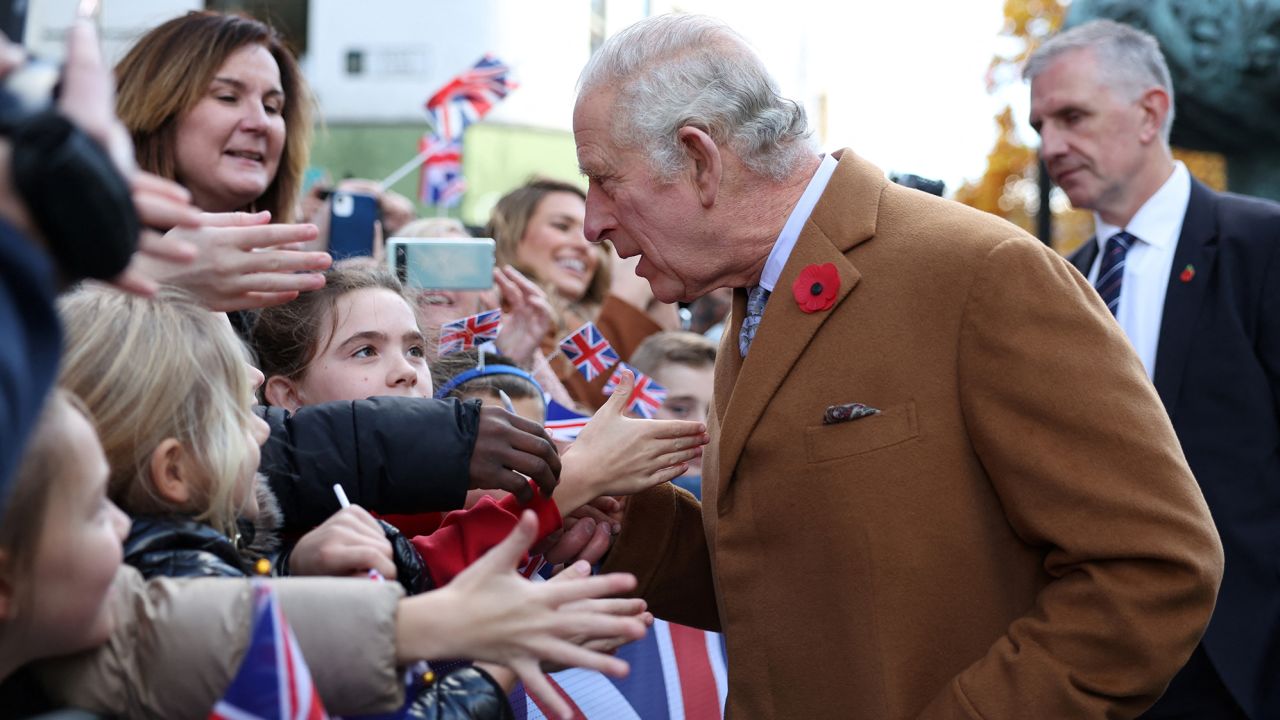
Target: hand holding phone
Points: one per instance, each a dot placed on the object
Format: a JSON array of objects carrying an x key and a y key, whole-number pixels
[
  {"x": 442, "y": 263},
  {"x": 351, "y": 219}
]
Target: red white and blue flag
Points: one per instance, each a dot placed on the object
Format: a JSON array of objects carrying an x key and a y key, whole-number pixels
[
  {"x": 676, "y": 672},
  {"x": 646, "y": 395},
  {"x": 469, "y": 332},
  {"x": 273, "y": 682},
  {"x": 564, "y": 424},
  {"x": 589, "y": 352},
  {"x": 440, "y": 181},
  {"x": 469, "y": 96}
]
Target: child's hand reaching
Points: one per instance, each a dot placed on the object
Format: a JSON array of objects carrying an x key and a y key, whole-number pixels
[
  {"x": 490, "y": 613},
  {"x": 622, "y": 607},
  {"x": 620, "y": 455},
  {"x": 350, "y": 542}
]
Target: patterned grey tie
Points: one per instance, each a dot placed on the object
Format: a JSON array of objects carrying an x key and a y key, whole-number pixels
[{"x": 756, "y": 299}]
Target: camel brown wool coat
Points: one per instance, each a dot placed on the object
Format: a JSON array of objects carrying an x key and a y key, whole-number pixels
[{"x": 1015, "y": 534}]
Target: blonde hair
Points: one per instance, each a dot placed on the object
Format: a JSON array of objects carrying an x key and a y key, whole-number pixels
[
  {"x": 434, "y": 227},
  {"x": 149, "y": 369}
]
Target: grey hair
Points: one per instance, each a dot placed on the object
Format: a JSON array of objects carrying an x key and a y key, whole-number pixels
[
  {"x": 679, "y": 70},
  {"x": 1129, "y": 59}
]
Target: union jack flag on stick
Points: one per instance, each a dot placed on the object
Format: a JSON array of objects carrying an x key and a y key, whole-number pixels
[
  {"x": 469, "y": 332},
  {"x": 273, "y": 682},
  {"x": 469, "y": 97},
  {"x": 440, "y": 181},
  {"x": 589, "y": 352},
  {"x": 646, "y": 395}
]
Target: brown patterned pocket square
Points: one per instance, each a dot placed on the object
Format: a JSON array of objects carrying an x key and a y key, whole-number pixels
[{"x": 845, "y": 413}]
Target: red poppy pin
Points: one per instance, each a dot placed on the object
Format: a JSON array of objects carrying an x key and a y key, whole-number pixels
[
  {"x": 816, "y": 287},
  {"x": 1188, "y": 272}
]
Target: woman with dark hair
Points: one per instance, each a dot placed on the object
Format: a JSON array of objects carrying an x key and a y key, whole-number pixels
[{"x": 217, "y": 103}]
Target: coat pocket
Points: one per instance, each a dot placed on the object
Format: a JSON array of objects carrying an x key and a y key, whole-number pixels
[{"x": 891, "y": 426}]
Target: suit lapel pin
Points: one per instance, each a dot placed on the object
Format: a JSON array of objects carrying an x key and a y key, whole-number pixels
[
  {"x": 1188, "y": 272},
  {"x": 816, "y": 287}
]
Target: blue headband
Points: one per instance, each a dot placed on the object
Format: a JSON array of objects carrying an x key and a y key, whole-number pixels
[{"x": 460, "y": 378}]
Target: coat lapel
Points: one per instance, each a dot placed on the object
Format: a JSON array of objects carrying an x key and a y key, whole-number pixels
[
  {"x": 1197, "y": 247},
  {"x": 1083, "y": 257},
  {"x": 844, "y": 217}
]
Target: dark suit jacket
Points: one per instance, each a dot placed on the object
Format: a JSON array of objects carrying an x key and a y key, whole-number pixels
[
  {"x": 1218, "y": 372},
  {"x": 997, "y": 542}
]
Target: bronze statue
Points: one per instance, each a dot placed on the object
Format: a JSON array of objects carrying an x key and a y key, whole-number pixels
[{"x": 1224, "y": 56}]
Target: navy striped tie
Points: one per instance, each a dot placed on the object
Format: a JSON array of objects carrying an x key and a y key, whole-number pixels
[{"x": 1111, "y": 273}]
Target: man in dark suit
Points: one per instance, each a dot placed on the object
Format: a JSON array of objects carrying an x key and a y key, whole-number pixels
[{"x": 1193, "y": 278}]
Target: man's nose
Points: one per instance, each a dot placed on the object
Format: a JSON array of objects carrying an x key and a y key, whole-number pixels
[{"x": 599, "y": 218}]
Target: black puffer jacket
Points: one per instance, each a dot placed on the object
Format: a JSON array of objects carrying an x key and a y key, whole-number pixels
[
  {"x": 178, "y": 546},
  {"x": 391, "y": 455},
  {"x": 172, "y": 545}
]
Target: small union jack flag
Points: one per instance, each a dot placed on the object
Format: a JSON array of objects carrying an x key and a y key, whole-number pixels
[
  {"x": 646, "y": 396},
  {"x": 563, "y": 423},
  {"x": 440, "y": 180},
  {"x": 469, "y": 96},
  {"x": 273, "y": 682},
  {"x": 589, "y": 352},
  {"x": 470, "y": 331}
]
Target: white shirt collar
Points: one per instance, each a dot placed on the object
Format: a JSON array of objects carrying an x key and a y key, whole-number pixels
[
  {"x": 1159, "y": 220},
  {"x": 786, "y": 241}
]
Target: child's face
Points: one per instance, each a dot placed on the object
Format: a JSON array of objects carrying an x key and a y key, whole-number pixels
[
  {"x": 79, "y": 551},
  {"x": 258, "y": 431},
  {"x": 688, "y": 396},
  {"x": 376, "y": 349}
]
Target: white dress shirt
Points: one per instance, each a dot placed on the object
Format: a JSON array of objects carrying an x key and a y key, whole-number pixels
[
  {"x": 1149, "y": 263},
  {"x": 786, "y": 241}
]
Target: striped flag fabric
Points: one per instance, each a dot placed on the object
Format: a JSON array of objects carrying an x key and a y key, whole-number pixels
[
  {"x": 440, "y": 180},
  {"x": 676, "y": 672},
  {"x": 589, "y": 352},
  {"x": 469, "y": 96},
  {"x": 470, "y": 331},
  {"x": 564, "y": 424},
  {"x": 646, "y": 395},
  {"x": 273, "y": 682}
]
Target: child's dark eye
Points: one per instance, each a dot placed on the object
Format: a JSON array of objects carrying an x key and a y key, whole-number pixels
[{"x": 366, "y": 351}]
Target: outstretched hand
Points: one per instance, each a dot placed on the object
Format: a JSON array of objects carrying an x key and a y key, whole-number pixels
[
  {"x": 622, "y": 607},
  {"x": 243, "y": 262},
  {"x": 620, "y": 455},
  {"x": 526, "y": 315},
  {"x": 495, "y": 615}
]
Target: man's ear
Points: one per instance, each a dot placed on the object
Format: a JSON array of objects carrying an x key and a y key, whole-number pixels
[
  {"x": 1155, "y": 108},
  {"x": 707, "y": 166},
  {"x": 281, "y": 392},
  {"x": 171, "y": 473}
]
